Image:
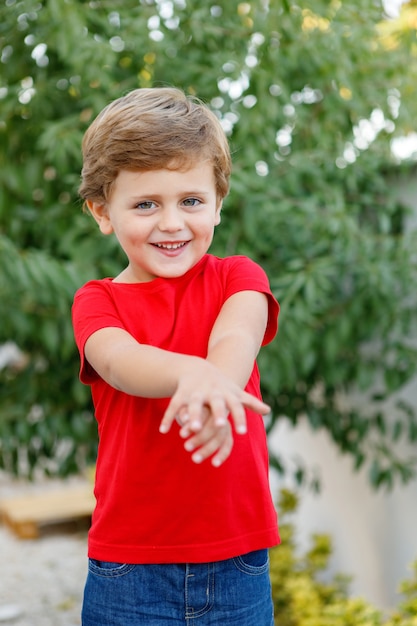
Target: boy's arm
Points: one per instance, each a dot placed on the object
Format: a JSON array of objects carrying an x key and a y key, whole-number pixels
[
  {"x": 134, "y": 368},
  {"x": 237, "y": 335},
  {"x": 192, "y": 382},
  {"x": 233, "y": 346}
]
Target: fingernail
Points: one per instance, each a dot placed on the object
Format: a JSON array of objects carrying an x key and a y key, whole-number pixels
[
  {"x": 163, "y": 428},
  {"x": 241, "y": 429},
  {"x": 197, "y": 458},
  {"x": 188, "y": 446},
  {"x": 216, "y": 462}
]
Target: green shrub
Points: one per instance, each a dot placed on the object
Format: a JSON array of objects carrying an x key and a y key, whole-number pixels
[
  {"x": 293, "y": 82},
  {"x": 301, "y": 598}
]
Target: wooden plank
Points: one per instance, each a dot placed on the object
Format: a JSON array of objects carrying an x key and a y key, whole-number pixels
[{"x": 25, "y": 515}]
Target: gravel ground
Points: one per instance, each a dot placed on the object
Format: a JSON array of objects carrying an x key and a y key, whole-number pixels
[{"x": 41, "y": 580}]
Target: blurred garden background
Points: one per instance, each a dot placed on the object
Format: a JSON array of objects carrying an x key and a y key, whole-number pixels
[{"x": 319, "y": 102}]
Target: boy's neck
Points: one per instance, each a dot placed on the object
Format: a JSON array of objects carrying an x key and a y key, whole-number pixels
[{"x": 128, "y": 277}]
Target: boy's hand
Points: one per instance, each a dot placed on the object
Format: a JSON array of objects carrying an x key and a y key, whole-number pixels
[
  {"x": 211, "y": 441},
  {"x": 207, "y": 386}
]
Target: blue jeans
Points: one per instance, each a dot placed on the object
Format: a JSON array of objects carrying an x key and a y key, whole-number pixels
[{"x": 236, "y": 591}]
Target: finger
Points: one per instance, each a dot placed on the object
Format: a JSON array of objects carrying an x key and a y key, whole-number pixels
[
  {"x": 220, "y": 445},
  {"x": 219, "y": 410},
  {"x": 238, "y": 415},
  {"x": 182, "y": 417},
  {"x": 208, "y": 433},
  {"x": 223, "y": 453},
  {"x": 174, "y": 408},
  {"x": 185, "y": 432},
  {"x": 195, "y": 412},
  {"x": 251, "y": 402}
]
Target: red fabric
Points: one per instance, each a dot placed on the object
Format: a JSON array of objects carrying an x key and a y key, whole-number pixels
[{"x": 154, "y": 505}]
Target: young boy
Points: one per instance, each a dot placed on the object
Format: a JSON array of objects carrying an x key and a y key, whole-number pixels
[{"x": 184, "y": 515}]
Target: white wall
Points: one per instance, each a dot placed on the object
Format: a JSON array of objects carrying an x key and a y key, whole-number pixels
[{"x": 374, "y": 534}]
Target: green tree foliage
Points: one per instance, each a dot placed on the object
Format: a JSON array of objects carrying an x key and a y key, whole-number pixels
[
  {"x": 303, "y": 595},
  {"x": 311, "y": 94}
]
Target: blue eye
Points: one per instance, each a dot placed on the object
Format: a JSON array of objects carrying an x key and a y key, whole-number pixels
[
  {"x": 190, "y": 202},
  {"x": 145, "y": 206}
]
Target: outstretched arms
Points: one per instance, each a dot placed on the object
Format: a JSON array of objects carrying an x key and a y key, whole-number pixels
[
  {"x": 233, "y": 346},
  {"x": 203, "y": 392}
]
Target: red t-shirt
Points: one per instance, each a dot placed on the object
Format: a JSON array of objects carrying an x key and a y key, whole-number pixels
[{"x": 154, "y": 504}]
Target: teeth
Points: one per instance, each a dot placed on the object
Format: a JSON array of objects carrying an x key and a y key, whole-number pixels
[{"x": 170, "y": 246}]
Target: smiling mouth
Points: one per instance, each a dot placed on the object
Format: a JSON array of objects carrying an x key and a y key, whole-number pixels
[{"x": 170, "y": 246}]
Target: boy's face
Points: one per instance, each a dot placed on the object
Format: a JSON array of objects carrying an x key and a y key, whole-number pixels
[{"x": 163, "y": 219}]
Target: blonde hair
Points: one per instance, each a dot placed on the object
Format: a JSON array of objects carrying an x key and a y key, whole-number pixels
[{"x": 150, "y": 129}]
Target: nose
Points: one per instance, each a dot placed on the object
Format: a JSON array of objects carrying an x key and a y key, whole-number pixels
[{"x": 171, "y": 219}]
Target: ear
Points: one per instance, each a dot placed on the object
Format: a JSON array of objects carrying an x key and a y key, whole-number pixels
[
  {"x": 218, "y": 216},
  {"x": 101, "y": 215}
]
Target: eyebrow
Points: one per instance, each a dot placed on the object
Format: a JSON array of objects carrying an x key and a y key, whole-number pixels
[{"x": 181, "y": 194}]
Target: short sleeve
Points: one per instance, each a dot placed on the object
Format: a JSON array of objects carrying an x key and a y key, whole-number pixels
[
  {"x": 243, "y": 274},
  {"x": 93, "y": 309}
]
